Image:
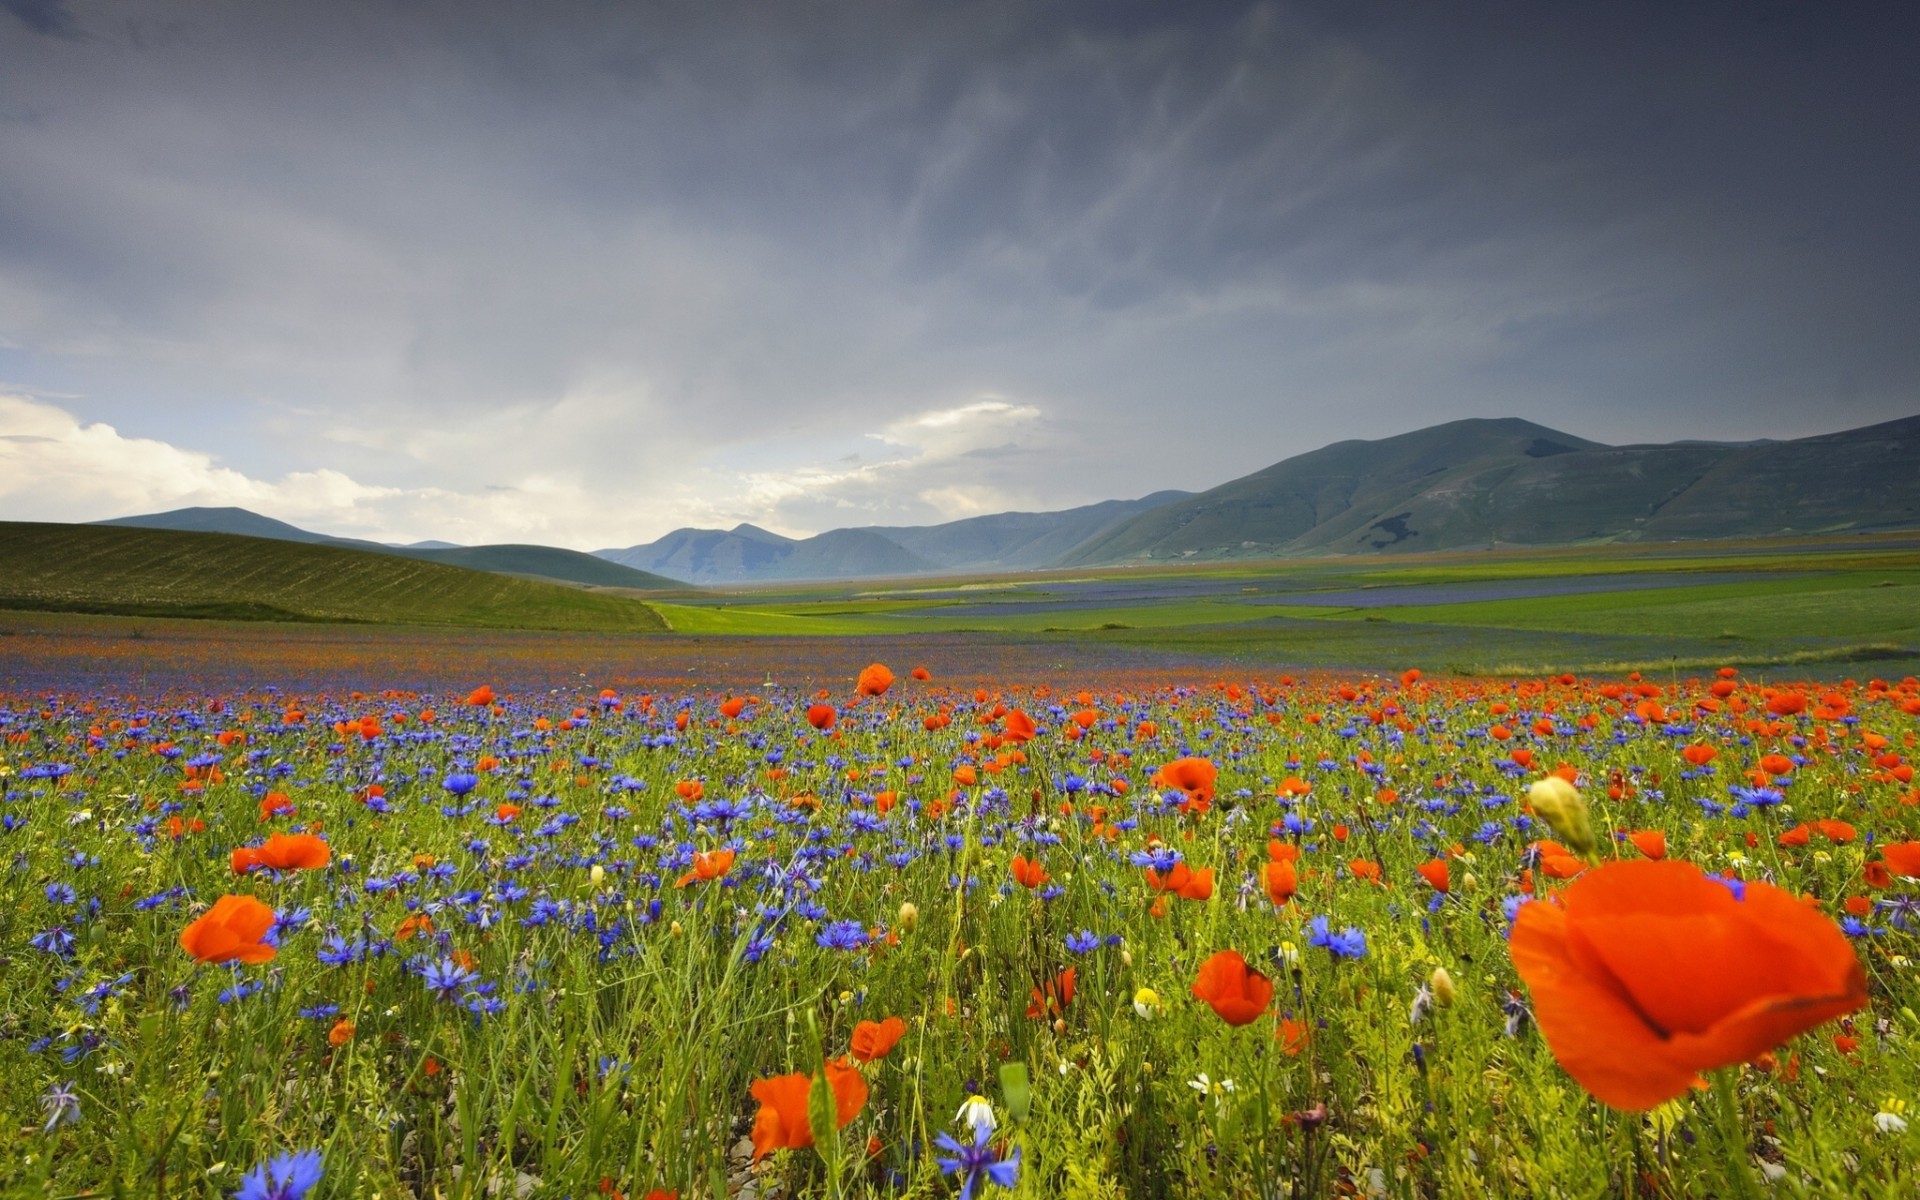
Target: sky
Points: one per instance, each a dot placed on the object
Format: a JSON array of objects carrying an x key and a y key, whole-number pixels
[{"x": 583, "y": 273}]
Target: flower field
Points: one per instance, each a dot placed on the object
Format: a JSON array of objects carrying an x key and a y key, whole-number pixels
[{"x": 1246, "y": 937}]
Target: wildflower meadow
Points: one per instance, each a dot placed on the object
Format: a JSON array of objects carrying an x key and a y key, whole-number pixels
[{"x": 1340, "y": 935}]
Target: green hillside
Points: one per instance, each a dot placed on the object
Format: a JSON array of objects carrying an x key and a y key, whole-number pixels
[
  {"x": 161, "y": 572},
  {"x": 1478, "y": 484}
]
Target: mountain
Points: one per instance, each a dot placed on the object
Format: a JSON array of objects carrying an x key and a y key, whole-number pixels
[
  {"x": 1019, "y": 541},
  {"x": 1478, "y": 483},
  {"x": 174, "y": 573},
  {"x": 1002, "y": 541},
  {"x": 537, "y": 562}
]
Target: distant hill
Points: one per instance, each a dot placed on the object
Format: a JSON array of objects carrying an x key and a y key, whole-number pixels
[
  {"x": 1002, "y": 541},
  {"x": 1479, "y": 483},
  {"x": 539, "y": 562},
  {"x": 165, "y": 572}
]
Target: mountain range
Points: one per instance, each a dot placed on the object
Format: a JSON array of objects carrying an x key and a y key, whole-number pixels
[{"x": 1462, "y": 485}]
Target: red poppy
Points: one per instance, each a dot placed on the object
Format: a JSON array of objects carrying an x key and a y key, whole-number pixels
[
  {"x": 1292, "y": 1036},
  {"x": 1184, "y": 881},
  {"x": 1436, "y": 874},
  {"x": 875, "y": 1039},
  {"x": 1646, "y": 973},
  {"x": 283, "y": 852},
  {"x": 480, "y": 696},
  {"x": 1056, "y": 996},
  {"x": 922, "y": 674},
  {"x": 1902, "y": 859},
  {"x": 1282, "y": 881},
  {"x": 1233, "y": 990},
  {"x": 230, "y": 931},
  {"x": 821, "y": 716},
  {"x": 707, "y": 864},
  {"x": 1028, "y": 872},
  {"x": 1194, "y": 776},
  {"x": 1019, "y": 727},
  {"x": 1650, "y": 842},
  {"x": 781, "y": 1123},
  {"x": 874, "y": 681}
]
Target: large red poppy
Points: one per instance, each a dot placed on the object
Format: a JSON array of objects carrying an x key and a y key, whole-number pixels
[{"x": 1644, "y": 974}]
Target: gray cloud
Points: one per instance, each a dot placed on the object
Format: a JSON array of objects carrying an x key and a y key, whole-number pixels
[{"x": 687, "y": 257}]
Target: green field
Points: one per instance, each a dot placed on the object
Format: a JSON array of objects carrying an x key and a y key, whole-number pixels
[
  {"x": 1766, "y": 603},
  {"x": 167, "y": 573}
]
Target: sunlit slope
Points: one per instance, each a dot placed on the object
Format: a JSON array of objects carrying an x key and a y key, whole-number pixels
[{"x": 160, "y": 572}]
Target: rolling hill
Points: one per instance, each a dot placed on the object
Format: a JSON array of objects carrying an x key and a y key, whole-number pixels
[
  {"x": 1017, "y": 541},
  {"x": 176, "y": 573},
  {"x": 537, "y": 562},
  {"x": 1481, "y": 483}
]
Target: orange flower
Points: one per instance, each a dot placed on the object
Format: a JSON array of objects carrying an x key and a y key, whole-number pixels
[
  {"x": 1292, "y": 1036},
  {"x": 874, "y": 681},
  {"x": 1183, "y": 880},
  {"x": 1365, "y": 868},
  {"x": 1237, "y": 993},
  {"x": 1282, "y": 881},
  {"x": 480, "y": 697},
  {"x": 341, "y": 1033},
  {"x": 874, "y": 1040},
  {"x": 507, "y": 812},
  {"x": 283, "y": 852},
  {"x": 821, "y": 716},
  {"x": 1650, "y": 842},
  {"x": 1902, "y": 859},
  {"x": 1436, "y": 874},
  {"x": 1647, "y": 973},
  {"x": 230, "y": 931},
  {"x": 1194, "y": 776},
  {"x": 707, "y": 865},
  {"x": 1056, "y": 996},
  {"x": 1019, "y": 727},
  {"x": 1027, "y": 873},
  {"x": 781, "y": 1123},
  {"x": 922, "y": 674}
]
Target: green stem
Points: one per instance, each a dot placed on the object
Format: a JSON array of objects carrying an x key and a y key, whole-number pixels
[{"x": 1735, "y": 1169}]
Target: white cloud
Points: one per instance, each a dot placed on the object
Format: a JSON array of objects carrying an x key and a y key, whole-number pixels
[{"x": 939, "y": 464}]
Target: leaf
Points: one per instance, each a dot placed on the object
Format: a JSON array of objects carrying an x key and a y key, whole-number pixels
[{"x": 1016, "y": 1089}]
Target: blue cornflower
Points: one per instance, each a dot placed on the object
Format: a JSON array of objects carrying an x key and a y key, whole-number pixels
[
  {"x": 62, "y": 1104},
  {"x": 1083, "y": 941},
  {"x": 460, "y": 783},
  {"x": 284, "y": 1177},
  {"x": 978, "y": 1160},
  {"x": 1349, "y": 943},
  {"x": 841, "y": 935},
  {"x": 1159, "y": 858},
  {"x": 446, "y": 978}
]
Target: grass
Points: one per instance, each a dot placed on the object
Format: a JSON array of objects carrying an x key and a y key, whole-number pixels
[
  {"x": 1800, "y": 605},
  {"x": 156, "y": 572}
]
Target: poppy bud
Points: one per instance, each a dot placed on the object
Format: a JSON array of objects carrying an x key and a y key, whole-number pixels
[
  {"x": 1442, "y": 985},
  {"x": 1564, "y": 810},
  {"x": 1126, "y": 957},
  {"x": 675, "y": 929},
  {"x": 909, "y": 917},
  {"x": 1469, "y": 882},
  {"x": 597, "y": 874}
]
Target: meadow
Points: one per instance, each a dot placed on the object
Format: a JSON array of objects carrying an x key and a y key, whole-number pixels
[
  {"x": 1145, "y": 883},
  {"x": 1102, "y": 932}
]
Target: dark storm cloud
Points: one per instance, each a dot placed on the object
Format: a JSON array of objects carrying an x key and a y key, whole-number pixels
[
  {"x": 451, "y": 245},
  {"x": 47, "y": 17}
]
